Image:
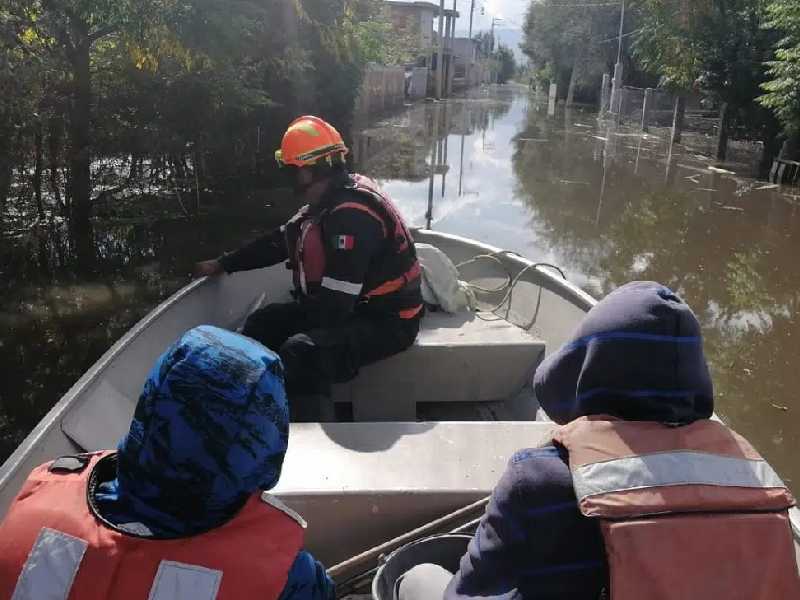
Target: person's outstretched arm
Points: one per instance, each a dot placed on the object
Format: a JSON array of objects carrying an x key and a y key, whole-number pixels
[{"x": 264, "y": 251}]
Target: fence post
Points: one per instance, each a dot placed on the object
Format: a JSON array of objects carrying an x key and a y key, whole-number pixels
[
  {"x": 551, "y": 106},
  {"x": 648, "y": 102},
  {"x": 616, "y": 90},
  {"x": 677, "y": 118},
  {"x": 604, "y": 92},
  {"x": 722, "y": 134}
]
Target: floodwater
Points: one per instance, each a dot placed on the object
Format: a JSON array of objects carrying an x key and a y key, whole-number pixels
[{"x": 608, "y": 205}]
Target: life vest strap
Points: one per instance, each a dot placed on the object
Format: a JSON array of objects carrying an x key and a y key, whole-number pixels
[{"x": 394, "y": 285}]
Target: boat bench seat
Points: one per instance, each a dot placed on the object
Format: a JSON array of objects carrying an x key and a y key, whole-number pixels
[
  {"x": 456, "y": 358},
  {"x": 378, "y": 480}
]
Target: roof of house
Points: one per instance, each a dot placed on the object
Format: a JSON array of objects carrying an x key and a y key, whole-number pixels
[{"x": 423, "y": 6}]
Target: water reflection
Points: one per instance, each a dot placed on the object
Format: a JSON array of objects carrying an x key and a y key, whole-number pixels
[
  {"x": 611, "y": 205},
  {"x": 55, "y": 322}
]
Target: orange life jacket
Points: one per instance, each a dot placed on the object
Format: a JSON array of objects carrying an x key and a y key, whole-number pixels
[
  {"x": 687, "y": 513},
  {"x": 53, "y": 546},
  {"x": 394, "y": 280}
]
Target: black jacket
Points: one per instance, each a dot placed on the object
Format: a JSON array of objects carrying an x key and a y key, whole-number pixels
[{"x": 359, "y": 256}]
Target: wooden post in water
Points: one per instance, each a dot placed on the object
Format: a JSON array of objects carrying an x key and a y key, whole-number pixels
[
  {"x": 616, "y": 90},
  {"x": 677, "y": 118},
  {"x": 440, "y": 56},
  {"x": 604, "y": 93},
  {"x": 722, "y": 134},
  {"x": 551, "y": 107},
  {"x": 646, "y": 107}
]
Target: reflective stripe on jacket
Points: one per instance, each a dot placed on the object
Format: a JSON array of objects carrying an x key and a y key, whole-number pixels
[
  {"x": 690, "y": 512},
  {"x": 393, "y": 281},
  {"x": 53, "y": 546}
]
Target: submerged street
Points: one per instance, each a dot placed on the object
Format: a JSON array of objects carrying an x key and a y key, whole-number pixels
[{"x": 608, "y": 205}]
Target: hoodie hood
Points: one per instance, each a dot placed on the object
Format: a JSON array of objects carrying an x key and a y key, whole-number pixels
[
  {"x": 637, "y": 355},
  {"x": 210, "y": 428}
]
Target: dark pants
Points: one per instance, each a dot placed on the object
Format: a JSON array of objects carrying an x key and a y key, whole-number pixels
[{"x": 315, "y": 357}]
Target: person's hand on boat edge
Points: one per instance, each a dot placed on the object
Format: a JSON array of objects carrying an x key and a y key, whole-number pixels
[{"x": 208, "y": 268}]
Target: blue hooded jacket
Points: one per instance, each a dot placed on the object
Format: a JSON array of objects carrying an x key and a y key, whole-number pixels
[
  {"x": 637, "y": 355},
  {"x": 211, "y": 428}
]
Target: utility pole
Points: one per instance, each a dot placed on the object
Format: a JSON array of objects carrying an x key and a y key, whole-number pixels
[
  {"x": 440, "y": 58},
  {"x": 471, "y": 46},
  {"x": 616, "y": 92}
]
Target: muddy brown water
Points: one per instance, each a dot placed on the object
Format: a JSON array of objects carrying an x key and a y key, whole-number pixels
[
  {"x": 606, "y": 204},
  {"x": 610, "y": 205}
]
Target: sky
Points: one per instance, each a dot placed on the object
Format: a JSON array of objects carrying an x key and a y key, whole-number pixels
[{"x": 511, "y": 11}]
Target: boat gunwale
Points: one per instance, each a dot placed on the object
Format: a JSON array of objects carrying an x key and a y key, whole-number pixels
[{"x": 55, "y": 415}]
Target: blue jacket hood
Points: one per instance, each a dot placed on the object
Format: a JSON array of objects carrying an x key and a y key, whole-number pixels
[
  {"x": 210, "y": 428},
  {"x": 637, "y": 355}
]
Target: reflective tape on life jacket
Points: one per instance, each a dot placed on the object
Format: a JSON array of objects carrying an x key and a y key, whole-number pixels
[
  {"x": 691, "y": 512},
  {"x": 53, "y": 547}
]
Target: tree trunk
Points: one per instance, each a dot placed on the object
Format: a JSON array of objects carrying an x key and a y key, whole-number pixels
[
  {"x": 55, "y": 132},
  {"x": 79, "y": 161},
  {"x": 722, "y": 134},
  {"x": 6, "y": 171},
  {"x": 6, "y": 165},
  {"x": 38, "y": 167},
  {"x": 573, "y": 79}
]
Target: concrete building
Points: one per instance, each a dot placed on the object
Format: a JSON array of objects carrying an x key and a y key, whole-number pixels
[
  {"x": 468, "y": 62},
  {"x": 414, "y": 18},
  {"x": 418, "y": 19}
]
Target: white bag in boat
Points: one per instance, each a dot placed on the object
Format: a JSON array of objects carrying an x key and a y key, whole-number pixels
[{"x": 441, "y": 286}]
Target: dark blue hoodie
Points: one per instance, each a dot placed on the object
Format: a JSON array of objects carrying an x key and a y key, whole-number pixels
[
  {"x": 210, "y": 429},
  {"x": 637, "y": 355}
]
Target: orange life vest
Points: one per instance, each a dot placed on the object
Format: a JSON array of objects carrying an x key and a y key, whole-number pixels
[
  {"x": 395, "y": 279},
  {"x": 53, "y": 546},
  {"x": 687, "y": 513}
]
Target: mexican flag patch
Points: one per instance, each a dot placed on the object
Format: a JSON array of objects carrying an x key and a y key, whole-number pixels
[{"x": 344, "y": 242}]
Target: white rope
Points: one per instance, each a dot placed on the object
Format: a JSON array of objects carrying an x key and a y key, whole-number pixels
[{"x": 507, "y": 287}]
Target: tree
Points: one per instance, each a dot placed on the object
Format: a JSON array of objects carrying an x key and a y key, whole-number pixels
[
  {"x": 178, "y": 93},
  {"x": 573, "y": 44},
  {"x": 507, "y": 66},
  {"x": 71, "y": 29},
  {"x": 717, "y": 46},
  {"x": 782, "y": 90},
  {"x": 380, "y": 41}
]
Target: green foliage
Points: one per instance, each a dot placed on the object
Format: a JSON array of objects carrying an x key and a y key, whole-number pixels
[
  {"x": 562, "y": 36},
  {"x": 783, "y": 90},
  {"x": 380, "y": 42},
  {"x": 719, "y": 47},
  {"x": 199, "y": 82},
  {"x": 507, "y": 66}
]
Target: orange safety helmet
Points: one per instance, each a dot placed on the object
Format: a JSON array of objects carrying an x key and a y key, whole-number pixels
[{"x": 307, "y": 140}]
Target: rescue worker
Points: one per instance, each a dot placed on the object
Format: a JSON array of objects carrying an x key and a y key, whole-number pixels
[
  {"x": 640, "y": 494},
  {"x": 178, "y": 512},
  {"x": 356, "y": 274}
]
